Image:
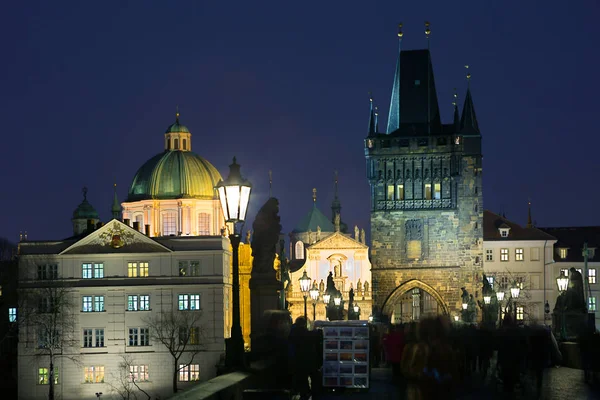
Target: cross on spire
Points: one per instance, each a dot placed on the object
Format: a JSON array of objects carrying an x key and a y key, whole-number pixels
[
  {"x": 314, "y": 195},
  {"x": 84, "y": 191}
]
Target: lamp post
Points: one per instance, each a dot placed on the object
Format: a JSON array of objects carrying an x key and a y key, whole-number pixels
[
  {"x": 357, "y": 311},
  {"x": 234, "y": 194},
  {"x": 562, "y": 282},
  {"x": 304, "y": 288},
  {"x": 500, "y": 297},
  {"x": 314, "y": 295},
  {"x": 515, "y": 291}
]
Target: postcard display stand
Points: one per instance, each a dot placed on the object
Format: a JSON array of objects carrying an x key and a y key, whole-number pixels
[{"x": 345, "y": 354}]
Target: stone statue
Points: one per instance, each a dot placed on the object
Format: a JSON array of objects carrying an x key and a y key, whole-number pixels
[
  {"x": 366, "y": 287},
  {"x": 363, "y": 240},
  {"x": 486, "y": 287},
  {"x": 330, "y": 284},
  {"x": 318, "y": 233},
  {"x": 321, "y": 286},
  {"x": 337, "y": 221},
  {"x": 464, "y": 296},
  {"x": 309, "y": 236},
  {"x": 337, "y": 268},
  {"x": 224, "y": 231},
  {"x": 574, "y": 296},
  {"x": 266, "y": 229},
  {"x": 351, "y": 286},
  {"x": 285, "y": 276},
  {"x": 359, "y": 286},
  {"x": 248, "y": 234},
  {"x": 351, "y": 301},
  {"x": 356, "y": 233}
]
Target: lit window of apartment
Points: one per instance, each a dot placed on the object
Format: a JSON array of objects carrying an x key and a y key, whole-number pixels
[
  {"x": 564, "y": 272},
  {"x": 93, "y": 374},
  {"x": 93, "y": 337},
  {"x": 189, "y": 335},
  {"x": 562, "y": 253},
  {"x": 428, "y": 191},
  {"x": 189, "y": 373},
  {"x": 189, "y": 302},
  {"x": 92, "y": 270},
  {"x": 139, "y": 337},
  {"x": 44, "y": 376},
  {"x": 138, "y": 302},
  {"x": 138, "y": 373},
  {"x": 579, "y": 270},
  {"x": 519, "y": 281},
  {"x": 137, "y": 269},
  {"x": 503, "y": 254},
  {"x": 489, "y": 254},
  {"x": 192, "y": 268},
  {"x": 519, "y": 255},
  {"x": 47, "y": 271},
  {"x": 390, "y": 192},
  {"x": 490, "y": 280},
  {"x": 592, "y": 303},
  {"x": 399, "y": 192},
  {"x": 592, "y": 275},
  {"x": 504, "y": 232},
  {"x": 12, "y": 315},
  {"x": 92, "y": 303},
  {"x": 520, "y": 313},
  {"x": 437, "y": 191}
]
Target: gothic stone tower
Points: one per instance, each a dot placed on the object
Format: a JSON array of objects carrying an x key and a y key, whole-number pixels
[{"x": 426, "y": 198}]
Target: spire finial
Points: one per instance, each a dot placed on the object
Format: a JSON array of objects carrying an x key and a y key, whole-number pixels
[
  {"x": 468, "y": 76},
  {"x": 372, "y": 122},
  {"x": 400, "y": 33},
  {"x": 84, "y": 191},
  {"x": 177, "y": 114},
  {"x": 427, "y": 30},
  {"x": 376, "y": 119},
  {"x": 529, "y": 222},
  {"x": 335, "y": 180},
  {"x": 314, "y": 196},
  {"x": 270, "y": 183},
  {"x": 455, "y": 98}
]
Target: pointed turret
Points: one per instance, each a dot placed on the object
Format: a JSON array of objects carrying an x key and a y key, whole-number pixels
[
  {"x": 372, "y": 119},
  {"x": 336, "y": 205},
  {"x": 394, "y": 115},
  {"x": 468, "y": 122},
  {"x": 529, "y": 222},
  {"x": 456, "y": 113},
  {"x": 116, "y": 207},
  {"x": 376, "y": 119}
]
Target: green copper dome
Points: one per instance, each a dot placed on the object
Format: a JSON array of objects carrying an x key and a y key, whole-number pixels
[
  {"x": 85, "y": 210},
  {"x": 177, "y": 128},
  {"x": 314, "y": 220},
  {"x": 174, "y": 175}
]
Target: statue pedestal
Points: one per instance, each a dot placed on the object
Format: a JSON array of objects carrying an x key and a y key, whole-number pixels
[
  {"x": 264, "y": 295},
  {"x": 568, "y": 325},
  {"x": 340, "y": 283}
]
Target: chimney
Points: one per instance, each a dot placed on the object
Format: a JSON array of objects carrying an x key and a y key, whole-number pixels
[
  {"x": 147, "y": 226},
  {"x": 126, "y": 221},
  {"x": 99, "y": 225},
  {"x": 90, "y": 225},
  {"x": 136, "y": 225}
]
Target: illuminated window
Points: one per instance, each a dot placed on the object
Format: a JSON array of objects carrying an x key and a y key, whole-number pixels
[
  {"x": 135, "y": 269},
  {"x": 138, "y": 303},
  {"x": 491, "y": 281},
  {"x": 12, "y": 315},
  {"x": 203, "y": 224},
  {"x": 390, "y": 192},
  {"x": 138, "y": 373},
  {"x": 86, "y": 271},
  {"x": 520, "y": 313},
  {"x": 503, "y": 254},
  {"x": 591, "y": 303},
  {"x": 489, "y": 254},
  {"x": 92, "y": 270},
  {"x": 169, "y": 224},
  {"x": 592, "y": 275},
  {"x": 504, "y": 232},
  {"x": 579, "y": 270},
  {"x": 189, "y": 373},
  {"x": 400, "y": 192},
  {"x": 299, "y": 250},
  {"x": 519, "y": 254},
  {"x": 428, "y": 191},
  {"x": 189, "y": 335},
  {"x": 562, "y": 252},
  {"x": 437, "y": 191},
  {"x": 93, "y": 374},
  {"x": 87, "y": 304},
  {"x": 98, "y": 303},
  {"x": 139, "y": 337},
  {"x": 44, "y": 376},
  {"x": 189, "y": 302},
  {"x": 535, "y": 254},
  {"x": 519, "y": 281},
  {"x": 564, "y": 272}
]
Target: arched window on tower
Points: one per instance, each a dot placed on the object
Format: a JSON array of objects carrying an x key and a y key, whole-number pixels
[
  {"x": 299, "y": 250},
  {"x": 168, "y": 144},
  {"x": 184, "y": 143},
  {"x": 203, "y": 224},
  {"x": 176, "y": 144}
]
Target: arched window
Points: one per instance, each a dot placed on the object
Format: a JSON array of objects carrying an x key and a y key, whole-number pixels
[
  {"x": 299, "y": 250},
  {"x": 184, "y": 142},
  {"x": 203, "y": 224},
  {"x": 168, "y": 144},
  {"x": 176, "y": 144},
  {"x": 169, "y": 223}
]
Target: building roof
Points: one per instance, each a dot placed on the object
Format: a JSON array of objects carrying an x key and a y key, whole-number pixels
[
  {"x": 85, "y": 210},
  {"x": 468, "y": 122},
  {"x": 314, "y": 219},
  {"x": 573, "y": 239},
  {"x": 492, "y": 222},
  {"x": 174, "y": 174},
  {"x": 177, "y": 127}
]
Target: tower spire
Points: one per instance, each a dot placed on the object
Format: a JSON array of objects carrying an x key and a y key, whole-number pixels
[
  {"x": 116, "y": 207},
  {"x": 270, "y": 183},
  {"x": 529, "y": 222},
  {"x": 372, "y": 119},
  {"x": 394, "y": 115},
  {"x": 314, "y": 196},
  {"x": 456, "y": 114},
  {"x": 427, "y": 33},
  {"x": 376, "y": 119},
  {"x": 468, "y": 122}
]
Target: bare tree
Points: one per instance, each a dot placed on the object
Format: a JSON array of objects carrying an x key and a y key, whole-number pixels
[
  {"x": 124, "y": 383},
  {"x": 48, "y": 312},
  {"x": 180, "y": 333}
]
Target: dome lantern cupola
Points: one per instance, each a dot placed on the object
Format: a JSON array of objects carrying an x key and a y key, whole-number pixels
[
  {"x": 83, "y": 213},
  {"x": 178, "y": 137}
]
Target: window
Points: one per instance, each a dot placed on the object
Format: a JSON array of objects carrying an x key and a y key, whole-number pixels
[
  {"x": 519, "y": 254},
  {"x": 428, "y": 191},
  {"x": 390, "y": 192},
  {"x": 503, "y": 254},
  {"x": 189, "y": 268},
  {"x": 564, "y": 272},
  {"x": 176, "y": 144},
  {"x": 189, "y": 372},
  {"x": 47, "y": 338},
  {"x": 139, "y": 337},
  {"x": 138, "y": 302},
  {"x": 93, "y": 374},
  {"x": 47, "y": 271},
  {"x": 184, "y": 144},
  {"x": 437, "y": 191},
  {"x": 144, "y": 303},
  {"x": 88, "y": 336},
  {"x": 535, "y": 254},
  {"x": 579, "y": 270},
  {"x": 87, "y": 304},
  {"x": 169, "y": 224},
  {"x": 203, "y": 224},
  {"x": 591, "y": 303},
  {"x": 44, "y": 376},
  {"x": 46, "y": 305},
  {"x": 489, "y": 254},
  {"x": 400, "y": 192},
  {"x": 98, "y": 303},
  {"x": 189, "y": 335},
  {"x": 92, "y": 270},
  {"x": 504, "y": 282},
  {"x": 92, "y": 303},
  {"x": 189, "y": 302},
  {"x": 137, "y": 269},
  {"x": 519, "y": 280},
  {"x": 99, "y": 337},
  {"x": 562, "y": 253},
  {"x": 12, "y": 314},
  {"x": 504, "y": 232},
  {"x": 520, "y": 313},
  {"x": 491, "y": 281},
  {"x": 138, "y": 373},
  {"x": 93, "y": 337},
  {"x": 591, "y": 277},
  {"x": 299, "y": 250}
]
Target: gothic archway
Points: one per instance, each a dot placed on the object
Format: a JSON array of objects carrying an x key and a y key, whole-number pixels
[{"x": 415, "y": 287}]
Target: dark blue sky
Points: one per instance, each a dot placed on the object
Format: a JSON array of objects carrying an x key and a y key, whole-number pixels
[{"x": 88, "y": 88}]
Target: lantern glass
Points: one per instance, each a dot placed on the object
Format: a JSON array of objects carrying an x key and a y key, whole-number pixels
[
  {"x": 356, "y": 308},
  {"x": 456, "y": 318},
  {"x": 304, "y": 283},
  {"x": 314, "y": 292},
  {"x": 487, "y": 299},
  {"x": 234, "y": 194},
  {"x": 500, "y": 296},
  {"x": 326, "y": 298},
  {"x": 337, "y": 300},
  {"x": 464, "y": 306},
  {"x": 515, "y": 291},
  {"x": 562, "y": 282}
]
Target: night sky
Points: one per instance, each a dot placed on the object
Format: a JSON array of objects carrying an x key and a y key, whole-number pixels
[{"x": 87, "y": 90}]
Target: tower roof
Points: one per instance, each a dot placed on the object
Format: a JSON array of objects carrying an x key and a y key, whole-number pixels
[
  {"x": 177, "y": 127},
  {"x": 468, "y": 122},
  {"x": 85, "y": 210},
  {"x": 116, "y": 207},
  {"x": 314, "y": 219},
  {"x": 372, "y": 119}
]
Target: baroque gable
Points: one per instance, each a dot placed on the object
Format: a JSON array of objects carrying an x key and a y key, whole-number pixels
[
  {"x": 115, "y": 237},
  {"x": 337, "y": 241}
]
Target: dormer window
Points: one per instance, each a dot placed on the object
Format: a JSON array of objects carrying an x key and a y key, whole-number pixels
[
  {"x": 562, "y": 252},
  {"x": 504, "y": 231}
]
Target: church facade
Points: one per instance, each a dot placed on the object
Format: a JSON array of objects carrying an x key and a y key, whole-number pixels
[{"x": 425, "y": 178}]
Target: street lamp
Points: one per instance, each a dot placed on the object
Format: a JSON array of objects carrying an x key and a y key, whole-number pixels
[
  {"x": 314, "y": 295},
  {"x": 464, "y": 306},
  {"x": 562, "y": 282},
  {"x": 456, "y": 318},
  {"x": 337, "y": 300},
  {"x": 234, "y": 194},
  {"x": 326, "y": 298},
  {"x": 304, "y": 288},
  {"x": 487, "y": 299},
  {"x": 515, "y": 290},
  {"x": 500, "y": 296}
]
